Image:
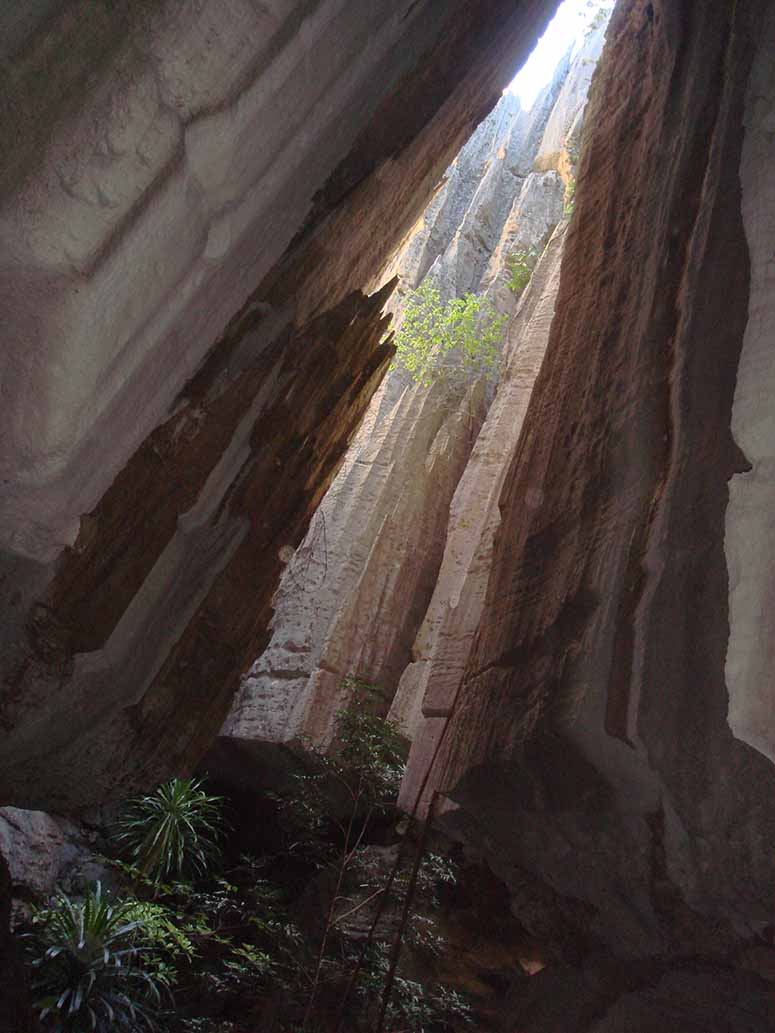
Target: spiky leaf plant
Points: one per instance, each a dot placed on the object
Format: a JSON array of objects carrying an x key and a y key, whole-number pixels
[
  {"x": 174, "y": 831},
  {"x": 88, "y": 974}
]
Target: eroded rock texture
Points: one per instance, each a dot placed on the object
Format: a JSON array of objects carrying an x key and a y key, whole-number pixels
[
  {"x": 44, "y": 852},
  {"x": 430, "y": 683},
  {"x": 356, "y": 591},
  {"x": 609, "y": 746},
  {"x": 192, "y": 198}
]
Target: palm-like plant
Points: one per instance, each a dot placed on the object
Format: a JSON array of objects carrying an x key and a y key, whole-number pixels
[
  {"x": 87, "y": 968},
  {"x": 174, "y": 831}
]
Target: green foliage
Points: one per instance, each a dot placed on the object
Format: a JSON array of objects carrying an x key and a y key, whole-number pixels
[
  {"x": 413, "y": 1006},
  {"x": 597, "y": 12},
  {"x": 520, "y": 267},
  {"x": 247, "y": 959},
  {"x": 88, "y": 973},
  {"x": 456, "y": 340},
  {"x": 359, "y": 779},
  {"x": 371, "y": 751},
  {"x": 601, "y": 15},
  {"x": 172, "y": 832},
  {"x": 165, "y": 940},
  {"x": 228, "y": 940},
  {"x": 570, "y": 199},
  {"x": 422, "y": 937}
]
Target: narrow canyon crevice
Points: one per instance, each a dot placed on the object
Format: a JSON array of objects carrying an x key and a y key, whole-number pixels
[
  {"x": 355, "y": 594},
  {"x": 220, "y": 503},
  {"x": 187, "y": 225}
]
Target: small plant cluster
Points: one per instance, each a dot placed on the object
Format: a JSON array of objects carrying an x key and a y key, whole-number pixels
[
  {"x": 173, "y": 832},
  {"x": 596, "y": 14},
  {"x": 458, "y": 340},
  {"x": 230, "y": 944},
  {"x": 519, "y": 266},
  {"x": 329, "y": 812},
  {"x": 101, "y": 964},
  {"x": 349, "y": 787},
  {"x": 87, "y": 960}
]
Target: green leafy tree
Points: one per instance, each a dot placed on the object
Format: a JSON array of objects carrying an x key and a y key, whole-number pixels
[
  {"x": 87, "y": 957},
  {"x": 454, "y": 340},
  {"x": 342, "y": 790},
  {"x": 520, "y": 267},
  {"x": 173, "y": 832}
]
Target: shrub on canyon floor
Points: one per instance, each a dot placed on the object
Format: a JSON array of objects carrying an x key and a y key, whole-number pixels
[
  {"x": 275, "y": 941},
  {"x": 341, "y": 791},
  {"x": 454, "y": 340},
  {"x": 172, "y": 832},
  {"x": 88, "y": 965},
  {"x": 414, "y": 1007}
]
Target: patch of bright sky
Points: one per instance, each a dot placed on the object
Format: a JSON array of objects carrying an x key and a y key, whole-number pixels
[{"x": 565, "y": 30}]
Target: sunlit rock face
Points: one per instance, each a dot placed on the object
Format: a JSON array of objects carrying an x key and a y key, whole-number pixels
[
  {"x": 563, "y": 131},
  {"x": 455, "y": 244},
  {"x": 609, "y": 748},
  {"x": 355, "y": 593},
  {"x": 430, "y": 684},
  {"x": 191, "y": 199}
]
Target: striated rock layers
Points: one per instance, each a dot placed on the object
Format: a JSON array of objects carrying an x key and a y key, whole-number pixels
[
  {"x": 355, "y": 593},
  {"x": 192, "y": 198},
  {"x": 610, "y": 747},
  {"x": 430, "y": 683}
]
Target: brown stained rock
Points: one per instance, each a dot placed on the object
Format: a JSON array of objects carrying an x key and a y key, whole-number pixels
[
  {"x": 429, "y": 685},
  {"x": 355, "y": 591},
  {"x": 274, "y": 453},
  {"x": 595, "y": 695},
  {"x": 173, "y": 445}
]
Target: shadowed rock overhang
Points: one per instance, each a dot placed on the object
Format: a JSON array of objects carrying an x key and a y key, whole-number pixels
[{"x": 191, "y": 200}]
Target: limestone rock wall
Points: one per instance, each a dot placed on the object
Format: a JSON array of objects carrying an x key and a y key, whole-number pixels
[
  {"x": 563, "y": 130},
  {"x": 355, "y": 593},
  {"x": 191, "y": 199},
  {"x": 609, "y": 749},
  {"x": 430, "y": 683},
  {"x": 455, "y": 242},
  {"x": 748, "y": 533}
]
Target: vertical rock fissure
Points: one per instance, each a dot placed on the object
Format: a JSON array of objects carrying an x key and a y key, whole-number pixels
[
  {"x": 355, "y": 599},
  {"x": 594, "y": 695},
  {"x": 677, "y": 281}
]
